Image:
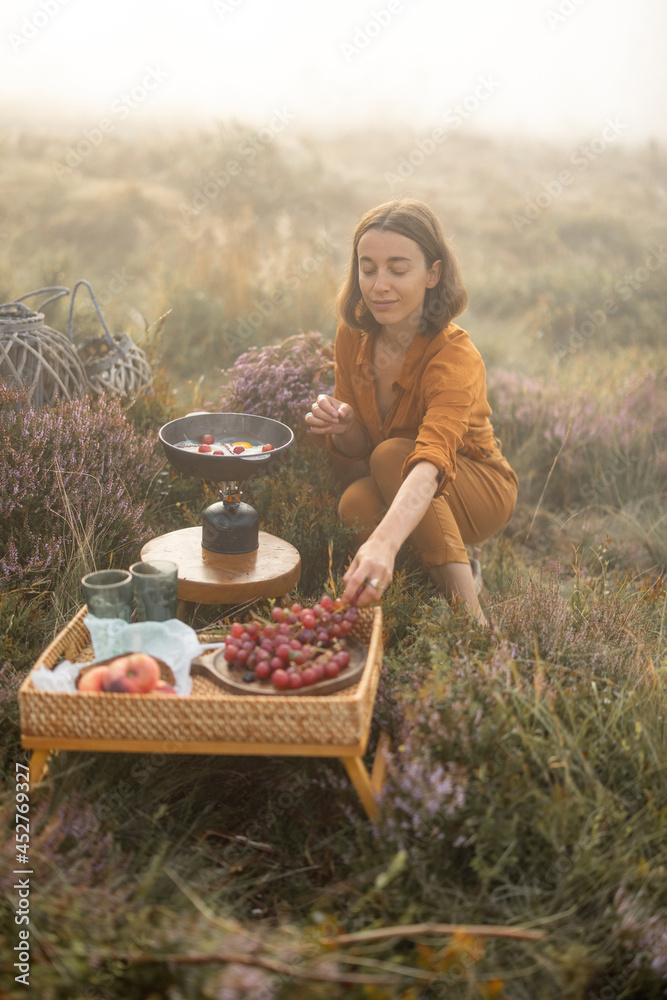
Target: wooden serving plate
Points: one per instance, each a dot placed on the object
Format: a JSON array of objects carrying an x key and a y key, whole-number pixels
[{"x": 215, "y": 667}]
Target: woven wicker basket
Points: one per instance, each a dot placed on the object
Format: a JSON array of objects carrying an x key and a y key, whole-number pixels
[
  {"x": 208, "y": 714},
  {"x": 122, "y": 369},
  {"x": 112, "y": 364},
  {"x": 37, "y": 358}
]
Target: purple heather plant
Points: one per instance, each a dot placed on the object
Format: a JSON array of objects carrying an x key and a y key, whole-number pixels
[
  {"x": 281, "y": 380},
  {"x": 472, "y": 754},
  {"x": 608, "y": 448},
  {"x": 76, "y": 473},
  {"x": 637, "y": 409},
  {"x": 643, "y": 930},
  {"x": 69, "y": 840}
]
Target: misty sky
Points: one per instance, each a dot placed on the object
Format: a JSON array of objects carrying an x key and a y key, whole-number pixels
[{"x": 543, "y": 67}]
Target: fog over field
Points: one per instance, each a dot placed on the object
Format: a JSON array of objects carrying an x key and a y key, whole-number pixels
[{"x": 549, "y": 68}]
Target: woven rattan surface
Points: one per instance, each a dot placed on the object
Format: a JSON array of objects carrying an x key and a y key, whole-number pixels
[
  {"x": 41, "y": 359},
  {"x": 208, "y": 713},
  {"x": 124, "y": 371}
]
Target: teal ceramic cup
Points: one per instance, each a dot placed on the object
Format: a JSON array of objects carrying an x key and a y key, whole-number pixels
[
  {"x": 155, "y": 590},
  {"x": 108, "y": 593}
]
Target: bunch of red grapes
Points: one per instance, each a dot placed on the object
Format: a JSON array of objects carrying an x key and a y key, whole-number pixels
[{"x": 298, "y": 647}]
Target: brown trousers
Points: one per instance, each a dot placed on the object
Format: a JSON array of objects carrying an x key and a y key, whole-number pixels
[{"x": 479, "y": 503}]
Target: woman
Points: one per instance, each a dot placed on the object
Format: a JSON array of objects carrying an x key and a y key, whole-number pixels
[{"x": 410, "y": 400}]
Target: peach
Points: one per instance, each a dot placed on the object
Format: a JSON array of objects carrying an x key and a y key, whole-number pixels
[
  {"x": 164, "y": 688},
  {"x": 92, "y": 680},
  {"x": 136, "y": 673}
]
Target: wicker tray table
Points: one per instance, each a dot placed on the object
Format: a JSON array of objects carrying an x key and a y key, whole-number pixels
[{"x": 210, "y": 720}]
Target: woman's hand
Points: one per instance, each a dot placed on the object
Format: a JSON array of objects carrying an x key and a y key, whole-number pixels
[
  {"x": 329, "y": 416},
  {"x": 369, "y": 573},
  {"x": 373, "y": 566}
]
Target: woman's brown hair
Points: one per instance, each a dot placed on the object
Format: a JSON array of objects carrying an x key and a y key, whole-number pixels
[{"x": 413, "y": 219}]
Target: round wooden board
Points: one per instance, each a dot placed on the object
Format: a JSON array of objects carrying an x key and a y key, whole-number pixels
[
  {"x": 214, "y": 666},
  {"x": 214, "y": 578}
]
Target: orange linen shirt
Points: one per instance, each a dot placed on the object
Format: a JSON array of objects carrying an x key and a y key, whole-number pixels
[{"x": 439, "y": 399}]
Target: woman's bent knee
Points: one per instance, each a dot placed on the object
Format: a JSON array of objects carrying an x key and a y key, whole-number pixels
[
  {"x": 347, "y": 511},
  {"x": 392, "y": 452},
  {"x": 360, "y": 506}
]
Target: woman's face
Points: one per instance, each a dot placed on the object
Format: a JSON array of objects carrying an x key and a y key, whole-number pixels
[{"x": 393, "y": 278}]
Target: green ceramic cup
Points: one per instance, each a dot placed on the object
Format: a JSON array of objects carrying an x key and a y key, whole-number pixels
[
  {"x": 155, "y": 590},
  {"x": 108, "y": 593}
]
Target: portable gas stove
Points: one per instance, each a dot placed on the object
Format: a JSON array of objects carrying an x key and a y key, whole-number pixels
[{"x": 228, "y": 559}]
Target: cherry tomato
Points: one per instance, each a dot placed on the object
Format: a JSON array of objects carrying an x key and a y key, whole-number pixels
[
  {"x": 204, "y": 447},
  {"x": 267, "y": 447},
  {"x": 207, "y": 439}
]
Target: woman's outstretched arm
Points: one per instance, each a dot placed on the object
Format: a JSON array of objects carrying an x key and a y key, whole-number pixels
[
  {"x": 373, "y": 566},
  {"x": 375, "y": 557}
]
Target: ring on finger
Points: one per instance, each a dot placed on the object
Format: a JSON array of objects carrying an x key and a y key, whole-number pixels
[{"x": 375, "y": 584}]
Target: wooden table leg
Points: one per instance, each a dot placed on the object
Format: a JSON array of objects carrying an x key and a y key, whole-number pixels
[
  {"x": 369, "y": 787},
  {"x": 38, "y": 765},
  {"x": 360, "y": 778},
  {"x": 380, "y": 763}
]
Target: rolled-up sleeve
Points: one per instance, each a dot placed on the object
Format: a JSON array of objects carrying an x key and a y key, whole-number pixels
[{"x": 450, "y": 391}]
